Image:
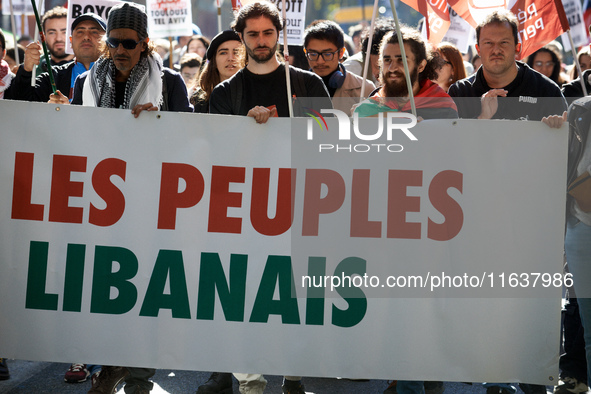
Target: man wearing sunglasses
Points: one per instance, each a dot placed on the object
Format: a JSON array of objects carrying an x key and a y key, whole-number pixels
[
  {"x": 260, "y": 90},
  {"x": 324, "y": 45},
  {"x": 130, "y": 73},
  {"x": 87, "y": 31}
]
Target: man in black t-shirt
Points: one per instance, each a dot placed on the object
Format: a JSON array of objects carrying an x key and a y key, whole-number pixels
[
  {"x": 260, "y": 90},
  {"x": 525, "y": 93}
]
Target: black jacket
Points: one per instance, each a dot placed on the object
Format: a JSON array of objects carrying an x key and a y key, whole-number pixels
[
  {"x": 530, "y": 96},
  {"x": 23, "y": 91},
  {"x": 573, "y": 90}
]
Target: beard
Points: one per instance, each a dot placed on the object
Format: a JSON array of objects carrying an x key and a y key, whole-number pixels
[
  {"x": 261, "y": 58},
  {"x": 399, "y": 88}
]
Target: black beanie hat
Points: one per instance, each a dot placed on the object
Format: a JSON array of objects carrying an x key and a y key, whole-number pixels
[
  {"x": 226, "y": 35},
  {"x": 128, "y": 16}
]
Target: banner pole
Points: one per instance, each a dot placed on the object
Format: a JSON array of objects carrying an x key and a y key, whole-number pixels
[
  {"x": 577, "y": 64},
  {"x": 367, "y": 56},
  {"x": 286, "y": 56},
  {"x": 13, "y": 22},
  {"x": 404, "y": 62},
  {"x": 45, "y": 51}
]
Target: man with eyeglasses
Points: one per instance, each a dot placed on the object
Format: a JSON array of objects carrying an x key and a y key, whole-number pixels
[
  {"x": 324, "y": 45},
  {"x": 532, "y": 95},
  {"x": 87, "y": 31},
  {"x": 130, "y": 73},
  {"x": 260, "y": 90}
]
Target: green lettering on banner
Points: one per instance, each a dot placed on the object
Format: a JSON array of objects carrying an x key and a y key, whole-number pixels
[
  {"x": 232, "y": 296},
  {"x": 315, "y": 298},
  {"x": 169, "y": 264},
  {"x": 36, "y": 278},
  {"x": 103, "y": 279},
  {"x": 74, "y": 278},
  {"x": 277, "y": 271},
  {"x": 354, "y": 296}
]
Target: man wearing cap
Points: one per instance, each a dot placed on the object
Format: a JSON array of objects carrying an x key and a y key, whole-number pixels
[
  {"x": 130, "y": 73},
  {"x": 87, "y": 31}
]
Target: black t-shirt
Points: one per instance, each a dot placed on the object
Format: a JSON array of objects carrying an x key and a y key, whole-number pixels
[{"x": 267, "y": 90}]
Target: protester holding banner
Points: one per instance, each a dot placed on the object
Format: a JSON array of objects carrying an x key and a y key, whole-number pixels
[
  {"x": 6, "y": 76},
  {"x": 224, "y": 58},
  {"x": 259, "y": 90},
  {"x": 431, "y": 101},
  {"x": 502, "y": 76},
  {"x": 130, "y": 74},
  {"x": 324, "y": 45},
  {"x": 87, "y": 32}
]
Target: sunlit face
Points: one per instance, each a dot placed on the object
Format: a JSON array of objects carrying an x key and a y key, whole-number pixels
[
  {"x": 260, "y": 39},
  {"x": 322, "y": 49},
  {"x": 393, "y": 76},
  {"x": 190, "y": 74},
  {"x": 544, "y": 64},
  {"x": 85, "y": 41},
  {"x": 55, "y": 37},
  {"x": 497, "y": 48},
  {"x": 126, "y": 59},
  {"x": 197, "y": 46},
  {"x": 226, "y": 58}
]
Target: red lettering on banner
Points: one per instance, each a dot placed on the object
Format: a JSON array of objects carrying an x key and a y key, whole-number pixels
[
  {"x": 22, "y": 208},
  {"x": 62, "y": 188},
  {"x": 399, "y": 203},
  {"x": 170, "y": 197},
  {"x": 221, "y": 199},
  {"x": 113, "y": 197},
  {"x": 447, "y": 206},
  {"x": 361, "y": 226},
  {"x": 259, "y": 202},
  {"x": 314, "y": 203}
]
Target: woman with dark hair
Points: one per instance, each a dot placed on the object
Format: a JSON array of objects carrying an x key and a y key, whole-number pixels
[
  {"x": 224, "y": 58},
  {"x": 453, "y": 69},
  {"x": 547, "y": 62},
  {"x": 198, "y": 44},
  {"x": 584, "y": 56}
]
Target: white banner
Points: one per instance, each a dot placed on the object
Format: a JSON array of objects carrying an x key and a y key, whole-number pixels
[
  {"x": 169, "y": 18},
  {"x": 19, "y": 6},
  {"x": 126, "y": 230},
  {"x": 460, "y": 33}
]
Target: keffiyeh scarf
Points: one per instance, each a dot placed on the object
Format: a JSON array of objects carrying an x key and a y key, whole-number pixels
[
  {"x": 143, "y": 86},
  {"x": 5, "y": 77}
]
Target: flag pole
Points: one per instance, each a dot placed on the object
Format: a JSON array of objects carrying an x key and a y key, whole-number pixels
[
  {"x": 404, "y": 62},
  {"x": 219, "y": 6},
  {"x": 34, "y": 71},
  {"x": 45, "y": 51},
  {"x": 13, "y": 22},
  {"x": 367, "y": 56},
  {"x": 577, "y": 64},
  {"x": 286, "y": 56}
]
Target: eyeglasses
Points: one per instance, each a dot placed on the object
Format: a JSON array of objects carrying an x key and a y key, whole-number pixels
[
  {"x": 542, "y": 64},
  {"x": 327, "y": 56},
  {"x": 127, "y": 44}
]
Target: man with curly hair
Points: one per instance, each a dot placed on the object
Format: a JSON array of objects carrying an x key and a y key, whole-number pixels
[{"x": 430, "y": 100}]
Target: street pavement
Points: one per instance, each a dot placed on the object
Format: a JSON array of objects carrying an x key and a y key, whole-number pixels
[{"x": 33, "y": 377}]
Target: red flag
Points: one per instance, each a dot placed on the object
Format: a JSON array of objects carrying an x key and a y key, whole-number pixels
[
  {"x": 236, "y": 5},
  {"x": 540, "y": 21},
  {"x": 436, "y": 17},
  {"x": 474, "y": 11}
]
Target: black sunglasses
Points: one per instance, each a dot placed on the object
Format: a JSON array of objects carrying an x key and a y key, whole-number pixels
[{"x": 127, "y": 44}]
